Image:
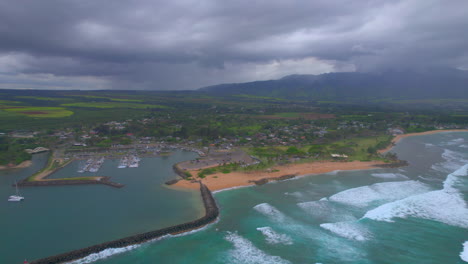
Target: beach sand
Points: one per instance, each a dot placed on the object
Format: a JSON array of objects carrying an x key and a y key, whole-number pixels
[
  {"x": 399, "y": 137},
  {"x": 23, "y": 164},
  {"x": 220, "y": 181}
]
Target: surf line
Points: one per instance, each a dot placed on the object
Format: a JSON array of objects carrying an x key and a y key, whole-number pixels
[{"x": 211, "y": 214}]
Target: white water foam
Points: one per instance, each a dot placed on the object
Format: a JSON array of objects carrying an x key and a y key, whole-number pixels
[
  {"x": 246, "y": 253},
  {"x": 272, "y": 237},
  {"x": 270, "y": 212},
  {"x": 446, "y": 205},
  {"x": 324, "y": 210},
  {"x": 103, "y": 254},
  {"x": 456, "y": 141},
  {"x": 464, "y": 253},
  {"x": 385, "y": 191},
  {"x": 453, "y": 161},
  {"x": 349, "y": 230},
  {"x": 389, "y": 175}
]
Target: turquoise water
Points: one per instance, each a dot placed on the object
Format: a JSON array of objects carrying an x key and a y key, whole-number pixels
[
  {"x": 54, "y": 220},
  {"x": 416, "y": 214}
]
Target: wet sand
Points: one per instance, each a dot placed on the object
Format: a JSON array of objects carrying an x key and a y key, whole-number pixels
[{"x": 220, "y": 181}]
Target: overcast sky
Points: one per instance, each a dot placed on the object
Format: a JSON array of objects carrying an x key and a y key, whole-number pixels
[{"x": 187, "y": 44}]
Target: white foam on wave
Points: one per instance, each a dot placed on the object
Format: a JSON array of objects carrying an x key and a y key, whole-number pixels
[
  {"x": 270, "y": 212},
  {"x": 464, "y": 253},
  {"x": 453, "y": 161},
  {"x": 436, "y": 205},
  {"x": 272, "y": 237},
  {"x": 245, "y": 252},
  {"x": 389, "y": 175},
  {"x": 103, "y": 254},
  {"x": 456, "y": 141},
  {"x": 324, "y": 210},
  {"x": 463, "y": 146},
  {"x": 446, "y": 205},
  {"x": 385, "y": 191},
  {"x": 349, "y": 230},
  {"x": 297, "y": 195}
]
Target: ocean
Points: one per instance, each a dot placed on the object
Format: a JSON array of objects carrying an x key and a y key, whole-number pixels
[{"x": 414, "y": 214}]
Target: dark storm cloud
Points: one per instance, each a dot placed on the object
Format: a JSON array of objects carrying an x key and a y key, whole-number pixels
[{"x": 187, "y": 44}]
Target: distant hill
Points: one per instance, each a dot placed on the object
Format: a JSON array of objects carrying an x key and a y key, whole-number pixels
[{"x": 354, "y": 86}]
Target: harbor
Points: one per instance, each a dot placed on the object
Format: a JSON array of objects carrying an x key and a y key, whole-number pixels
[{"x": 136, "y": 208}]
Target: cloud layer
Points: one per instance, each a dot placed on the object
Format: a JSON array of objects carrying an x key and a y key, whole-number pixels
[{"x": 186, "y": 44}]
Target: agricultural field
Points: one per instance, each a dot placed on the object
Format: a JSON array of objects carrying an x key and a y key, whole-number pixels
[
  {"x": 295, "y": 115},
  {"x": 112, "y": 105},
  {"x": 40, "y": 112}
]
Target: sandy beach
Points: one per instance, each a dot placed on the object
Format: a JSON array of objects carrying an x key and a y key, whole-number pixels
[
  {"x": 220, "y": 181},
  {"x": 23, "y": 164},
  {"x": 399, "y": 137}
]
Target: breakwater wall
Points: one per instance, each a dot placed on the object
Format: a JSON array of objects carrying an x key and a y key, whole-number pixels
[
  {"x": 103, "y": 180},
  {"x": 211, "y": 214},
  {"x": 179, "y": 171}
]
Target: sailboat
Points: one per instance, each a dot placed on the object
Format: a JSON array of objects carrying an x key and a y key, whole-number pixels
[{"x": 17, "y": 197}]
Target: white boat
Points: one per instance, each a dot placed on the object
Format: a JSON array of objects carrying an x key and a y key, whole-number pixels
[
  {"x": 123, "y": 163},
  {"x": 17, "y": 197}
]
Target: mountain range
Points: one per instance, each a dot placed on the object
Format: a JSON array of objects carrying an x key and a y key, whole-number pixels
[{"x": 356, "y": 86}]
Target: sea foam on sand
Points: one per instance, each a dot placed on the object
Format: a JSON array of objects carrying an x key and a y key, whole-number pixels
[{"x": 245, "y": 252}]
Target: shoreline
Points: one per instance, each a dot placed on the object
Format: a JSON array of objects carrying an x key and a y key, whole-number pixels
[
  {"x": 22, "y": 165},
  {"x": 397, "y": 138},
  {"x": 224, "y": 181}
]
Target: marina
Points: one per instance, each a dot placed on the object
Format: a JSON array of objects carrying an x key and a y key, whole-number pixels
[
  {"x": 131, "y": 161},
  {"x": 92, "y": 165}
]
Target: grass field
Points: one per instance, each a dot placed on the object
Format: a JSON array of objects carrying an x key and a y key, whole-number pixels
[
  {"x": 110, "y": 98},
  {"x": 6, "y": 102},
  {"x": 41, "y": 112},
  {"x": 56, "y": 99},
  {"x": 112, "y": 105},
  {"x": 296, "y": 115}
]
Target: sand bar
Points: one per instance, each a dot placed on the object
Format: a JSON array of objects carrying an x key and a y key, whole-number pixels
[{"x": 220, "y": 181}]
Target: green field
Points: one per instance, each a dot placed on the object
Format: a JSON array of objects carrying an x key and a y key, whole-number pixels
[
  {"x": 57, "y": 99},
  {"x": 112, "y": 105},
  {"x": 41, "y": 112},
  {"x": 110, "y": 98}
]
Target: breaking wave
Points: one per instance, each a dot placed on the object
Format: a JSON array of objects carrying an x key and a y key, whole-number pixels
[
  {"x": 379, "y": 192},
  {"x": 246, "y": 253},
  {"x": 272, "y": 237},
  {"x": 446, "y": 205},
  {"x": 270, "y": 212},
  {"x": 349, "y": 230},
  {"x": 464, "y": 253},
  {"x": 323, "y": 210},
  {"x": 389, "y": 175},
  {"x": 453, "y": 161},
  {"x": 103, "y": 254}
]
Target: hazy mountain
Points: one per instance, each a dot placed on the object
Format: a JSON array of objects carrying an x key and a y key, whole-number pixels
[{"x": 430, "y": 84}]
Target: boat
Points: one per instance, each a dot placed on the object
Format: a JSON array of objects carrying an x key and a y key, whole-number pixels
[
  {"x": 123, "y": 163},
  {"x": 17, "y": 197}
]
